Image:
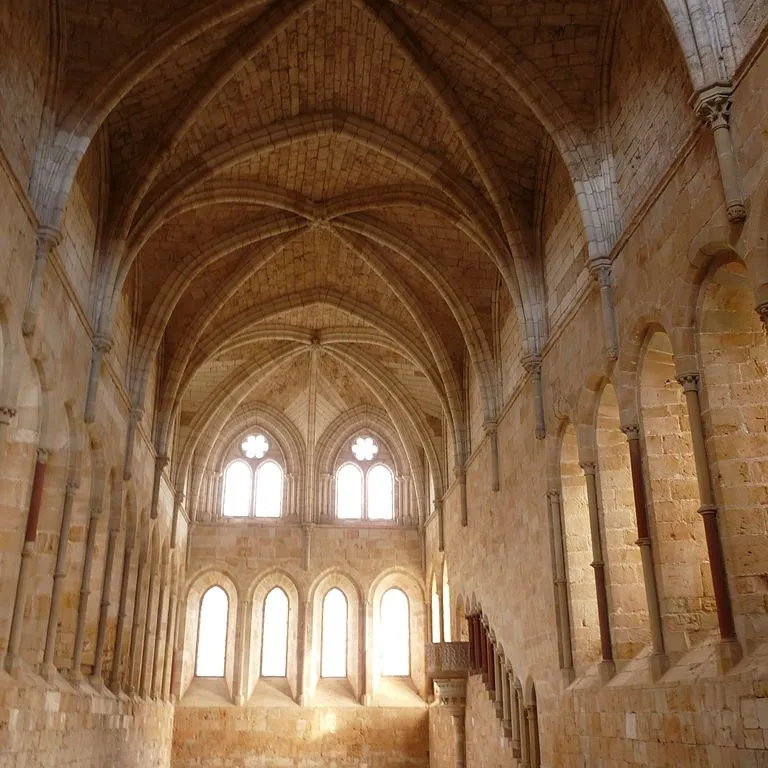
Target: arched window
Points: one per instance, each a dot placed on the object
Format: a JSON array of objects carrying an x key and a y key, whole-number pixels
[
  {"x": 349, "y": 492},
  {"x": 238, "y": 483},
  {"x": 435, "y": 612},
  {"x": 395, "y": 635},
  {"x": 212, "y": 633},
  {"x": 380, "y": 493},
  {"x": 333, "y": 662},
  {"x": 269, "y": 490},
  {"x": 274, "y": 636}
]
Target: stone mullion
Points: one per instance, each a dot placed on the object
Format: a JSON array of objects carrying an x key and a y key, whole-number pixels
[
  {"x": 598, "y": 565},
  {"x": 60, "y": 571},
  {"x": 12, "y": 660},
  {"x": 708, "y": 511}
]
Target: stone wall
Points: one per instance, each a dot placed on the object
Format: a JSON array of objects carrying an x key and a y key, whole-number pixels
[
  {"x": 52, "y": 726},
  {"x": 298, "y": 737}
]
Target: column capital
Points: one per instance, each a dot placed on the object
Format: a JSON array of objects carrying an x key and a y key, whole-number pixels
[
  {"x": 42, "y": 455},
  {"x": 7, "y": 414},
  {"x": 71, "y": 486},
  {"x": 588, "y": 467},
  {"x": 102, "y": 343},
  {"x": 713, "y": 105},
  {"x": 531, "y": 363},
  {"x": 437, "y": 506},
  {"x": 553, "y": 495},
  {"x": 601, "y": 270},
  {"x": 460, "y": 473},
  {"x": 632, "y": 431},
  {"x": 761, "y": 309},
  {"x": 137, "y": 413},
  {"x": 689, "y": 381},
  {"x": 48, "y": 237},
  {"x": 490, "y": 426},
  {"x": 161, "y": 462}
]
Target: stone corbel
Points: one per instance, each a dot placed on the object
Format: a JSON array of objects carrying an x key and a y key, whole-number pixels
[
  {"x": 160, "y": 464},
  {"x": 761, "y": 309},
  {"x": 136, "y": 413},
  {"x": 101, "y": 346},
  {"x": 713, "y": 106},
  {"x": 47, "y": 239},
  {"x": 452, "y": 694},
  {"x": 491, "y": 431},
  {"x": 602, "y": 273},
  {"x": 532, "y": 364}
]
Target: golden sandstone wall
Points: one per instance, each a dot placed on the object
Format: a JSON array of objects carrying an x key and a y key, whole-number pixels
[{"x": 666, "y": 278}]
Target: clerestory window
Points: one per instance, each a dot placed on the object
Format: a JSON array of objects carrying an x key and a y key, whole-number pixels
[
  {"x": 253, "y": 485},
  {"x": 364, "y": 491}
]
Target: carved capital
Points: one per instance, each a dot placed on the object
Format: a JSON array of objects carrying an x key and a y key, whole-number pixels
[
  {"x": 42, "y": 455},
  {"x": 632, "y": 432},
  {"x": 602, "y": 273},
  {"x": 102, "y": 343},
  {"x": 137, "y": 413},
  {"x": 689, "y": 382},
  {"x": 713, "y": 106},
  {"x": 47, "y": 239},
  {"x": 761, "y": 309},
  {"x": 71, "y": 486},
  {"x": 553, "y": 496},
  {"x": 460, "y": 473},
  {"x": 437, "y": 506},
  {"x": 451, "y": 692},
  {"x": 588, "y": 467},
  {"x": 7, "y": 414},
  {"x": 161, "y": 462},
  {"x": 532, "y": 363}
]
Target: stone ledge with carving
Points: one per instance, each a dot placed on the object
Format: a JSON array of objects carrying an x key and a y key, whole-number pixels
[{"x": 447, "y": 660}]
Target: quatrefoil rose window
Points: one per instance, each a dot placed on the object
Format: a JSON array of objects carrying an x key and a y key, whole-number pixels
[
  {"x": 255, "y": 446},
  {"x": 365, "y": 448}
]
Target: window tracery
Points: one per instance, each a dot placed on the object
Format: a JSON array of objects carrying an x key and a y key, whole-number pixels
[
  {"x": 253, "y": 481},
  {"x": 364, "y": 491}
]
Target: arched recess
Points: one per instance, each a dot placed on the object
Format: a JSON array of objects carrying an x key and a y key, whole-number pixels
[
  {"x": 630, "y": 628},
  {"x": 248, "y": 417},
  {"x": 413, "y": 589},
  {"x": 448, "y": 614},
  {"x": 352, "y": 687},
  {"x": 268, "y": 690},
  {"x": 585, "y": 628},
  {"x": 198, "y": 586},
  {"x": 685, "y": 584},
  {"x": 375, "y": 421},
  {"x": 733, "y": 360},
  {"x": 435, "y": 610}
]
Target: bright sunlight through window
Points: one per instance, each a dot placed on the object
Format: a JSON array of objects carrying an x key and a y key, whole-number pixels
[
  {"x": 380, "y": 493},
  {"x": 333, "y": 662},
  {"x": 349, "y": 492},
  {"x": 238, "y": 480},
  {"x": 394, "y": 634},
  {"x": 435, "y": 613},
  {"x": 274, "y": 647},
  {"x": 212, "y": 633},
  {"x": 269, "y": 490}
]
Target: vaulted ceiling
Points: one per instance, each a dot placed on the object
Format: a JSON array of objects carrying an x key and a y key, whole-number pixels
[{"x": 353, "y": 177}]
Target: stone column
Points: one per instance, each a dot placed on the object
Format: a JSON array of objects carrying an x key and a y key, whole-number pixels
[
  {"x": 607, "y": 668},
  {"x": 130, "y": 441},
  {"x": 178, "y": 650},
  {"x": 471, "y": 634},
  {"x": 101, "y": 346},
  {"x": 47, "y": 239},
  {"x": 713, "y": 106},
  {"x": 12, "y": 660},
  {"x": 731, "y": 652},
  {"x": 156, "y": 672},
  {"x": 160, "y": 464},
  {"x": 602, "y": 273},
  {"x": 122, "y": 614},
  {"x": 301, "y": 652},
  {"x": 133, "y": 645},
  {"x": 506, "y": 704},
  {"x": 525, "y": 744},
  {"x": 366, "y": 689},
  {"x": 178, "y": 505},
  {"x": 438, "y": 507},
  {"x": 561, "y": 584},
  {"x": 532, "y": 364},
  {"x": 452, "y": 694},
  {"x": 498, "y": 684},
  {"x": 491, "y": 431},
  {"x": 533, "y": 735},
  {"x": 85, "y": 591},
  {"x": 170, "y": 642},
  {"x": 145, "y": 661},
  {"x": 658, "y": 661},
  {"x": 515, "y": 717},
  {"x": 48, "y": 669},
  {"x": 461, "y": 476},
  {"x": 491, "y": 665},
  {"x": 101, "y": 634},
  {"x": 240, "y": 642},
  {"x": 7, "y": 414}
]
